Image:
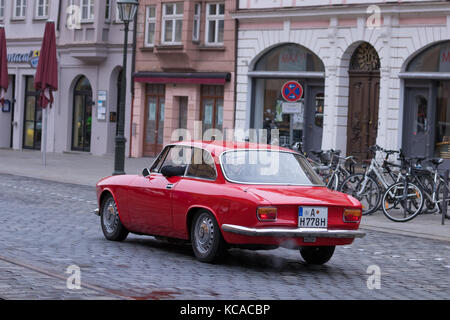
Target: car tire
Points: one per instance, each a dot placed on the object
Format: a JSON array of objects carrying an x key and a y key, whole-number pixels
[
  {"x": 207, "y": 241},
  {"x": 317, "y": 255},
  {"x": 112, "y": 227}
]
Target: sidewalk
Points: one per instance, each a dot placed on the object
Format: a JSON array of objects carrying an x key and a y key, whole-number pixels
[
  {"x": 80, "y": 168},
  {"x": 77, "y": 168}
]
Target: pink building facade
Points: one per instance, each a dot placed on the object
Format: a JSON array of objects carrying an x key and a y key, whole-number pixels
[{"x": 184, "y": 78}]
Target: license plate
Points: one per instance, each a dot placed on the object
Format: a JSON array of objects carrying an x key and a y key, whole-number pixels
[{"x": 312, "y": 217}]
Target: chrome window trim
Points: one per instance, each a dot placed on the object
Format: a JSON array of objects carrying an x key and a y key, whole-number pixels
[{"x": 262, "y": 183}]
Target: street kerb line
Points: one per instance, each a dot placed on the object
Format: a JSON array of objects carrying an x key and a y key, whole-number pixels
[{"x": 57, "y": 276}]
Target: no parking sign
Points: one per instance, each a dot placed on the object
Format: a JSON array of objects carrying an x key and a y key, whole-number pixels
[{"x": 292, "y": 91}]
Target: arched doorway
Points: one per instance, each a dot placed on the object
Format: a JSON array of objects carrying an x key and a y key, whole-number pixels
[
  {"x": 82, "y": 115},
  {"x": 426, "y": 110},
  {"x": 364, "y": 93},
  {"x": 301, "y": 121}
]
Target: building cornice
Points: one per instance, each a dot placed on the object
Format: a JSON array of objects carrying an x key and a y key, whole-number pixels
[{"x": 342, "y": 10}]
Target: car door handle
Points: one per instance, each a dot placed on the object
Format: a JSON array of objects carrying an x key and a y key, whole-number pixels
[{"x": 169, "y": 186}]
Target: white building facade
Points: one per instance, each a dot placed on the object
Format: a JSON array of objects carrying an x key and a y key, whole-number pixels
[
  {"x": 371, "y": 72},
  {"x": 83, "y": 116}
]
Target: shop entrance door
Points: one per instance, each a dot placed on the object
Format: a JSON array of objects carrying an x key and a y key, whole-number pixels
[
  {"x": 154, "y": 120},
  {"x": 314, "y": 119},
  {"x": 82, "y": 116},
  {"x": 32, "y": 126},
  {"x": 418, "y": 123},
  {"x": 362, "y": 124}
]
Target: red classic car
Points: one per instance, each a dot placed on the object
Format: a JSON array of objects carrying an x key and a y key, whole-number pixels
[{"x": 220, "y": 194}]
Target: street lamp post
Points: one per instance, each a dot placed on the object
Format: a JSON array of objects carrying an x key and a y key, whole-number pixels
[{"x": 127, "y": 12}]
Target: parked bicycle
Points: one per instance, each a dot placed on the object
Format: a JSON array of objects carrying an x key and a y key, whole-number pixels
[{"x": 368, "y": 187}]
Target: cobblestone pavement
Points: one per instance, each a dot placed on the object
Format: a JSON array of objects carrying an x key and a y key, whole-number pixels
[{"x": 45, "y": 227}]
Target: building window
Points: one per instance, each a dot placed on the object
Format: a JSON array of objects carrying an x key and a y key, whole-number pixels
[
  {"x": 150, "y": 26},
  {"x": 87, "y": 10},
  {"x": 2, "y": 9},
  {"x": 196, "y": 28},
  {"x": 42, "y": 8},
  {"x": 212, "y": 107},
  {"x": 107, "y": 10},
  {"x": 172, "y": 23},
  {"x": 20, "y": 8},
  {"x": 215, "y": 23}
]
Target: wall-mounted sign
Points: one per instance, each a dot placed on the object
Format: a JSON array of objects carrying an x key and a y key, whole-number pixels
[
  {"x": 101, "y": 106},
  {"x": 292, "y": 91},
  {"x": 6, "y": 106},
  {"x": 31, "y": 57},
  {"x": 292, "y": 108}
]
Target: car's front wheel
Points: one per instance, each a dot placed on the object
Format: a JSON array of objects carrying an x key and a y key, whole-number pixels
[
  {"x": 112, "y": 227},
  {"x": 317, "y": 255},
  {"x": 207, "y": 241}
]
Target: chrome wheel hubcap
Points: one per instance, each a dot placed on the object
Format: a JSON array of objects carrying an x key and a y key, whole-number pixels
[
  {"x": 110, "y": 216},
  {"x": 204, "y": 234}
]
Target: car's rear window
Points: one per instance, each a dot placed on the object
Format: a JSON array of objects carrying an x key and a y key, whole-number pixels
[{"x": 268, "y": 167}]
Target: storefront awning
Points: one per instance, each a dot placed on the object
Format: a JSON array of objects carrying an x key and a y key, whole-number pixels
[{"x": 217, "y": 78}]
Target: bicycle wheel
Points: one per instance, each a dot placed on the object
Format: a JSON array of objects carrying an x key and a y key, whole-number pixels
[
  {"x": 332, "y": 181},
  {"x": 400, "y": 205},
  {"x": 363, "y": 188},
  {"x": 440, "y": 192}
]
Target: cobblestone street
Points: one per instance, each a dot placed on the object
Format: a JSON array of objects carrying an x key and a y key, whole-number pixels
[{"x": 48, "y": 226}]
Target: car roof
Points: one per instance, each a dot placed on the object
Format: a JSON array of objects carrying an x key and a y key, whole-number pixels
[{"x": 217, "y": 147}]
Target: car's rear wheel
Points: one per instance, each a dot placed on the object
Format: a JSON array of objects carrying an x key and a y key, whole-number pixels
[
  {"x": 112, "y": 227},
  {"x": 317, "y": 255},
  {"x": 207, "y": 241}
]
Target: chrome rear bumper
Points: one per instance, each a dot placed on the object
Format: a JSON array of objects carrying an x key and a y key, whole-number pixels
[{"x": 285, "y": 232}]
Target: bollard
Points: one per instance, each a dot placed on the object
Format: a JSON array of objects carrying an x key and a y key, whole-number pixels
[{"x": 444, "y": 197}]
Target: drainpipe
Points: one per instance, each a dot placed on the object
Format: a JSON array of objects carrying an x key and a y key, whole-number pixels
[{"x": 133, "y": 70}]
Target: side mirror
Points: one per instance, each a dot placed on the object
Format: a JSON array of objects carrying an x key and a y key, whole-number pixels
[
  {"x": 145, "y": 172},
  {"x": 172, "y": 171}
]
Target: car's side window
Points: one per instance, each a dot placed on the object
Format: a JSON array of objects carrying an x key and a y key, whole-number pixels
[
  {"x": 202, "y": 165},
  {"x": 177, "y": 156},
  {"x": 156, "y": 167}
]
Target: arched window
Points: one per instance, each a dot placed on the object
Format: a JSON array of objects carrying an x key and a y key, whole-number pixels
[
  {"x": 290, "y": 57},
  {"x": 433, "y": 59},
  {"x": 365, "y": 58}
]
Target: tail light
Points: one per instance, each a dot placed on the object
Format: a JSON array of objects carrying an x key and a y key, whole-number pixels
[
  {"x": 266, "y": 214},
  {"x": 352, "y": 215}
]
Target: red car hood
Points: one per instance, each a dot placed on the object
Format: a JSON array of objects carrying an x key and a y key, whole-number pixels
[{"x": 295, "y": 195}]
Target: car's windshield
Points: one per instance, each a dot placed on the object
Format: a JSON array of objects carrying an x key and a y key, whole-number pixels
[{"x": 268, "y": 167}]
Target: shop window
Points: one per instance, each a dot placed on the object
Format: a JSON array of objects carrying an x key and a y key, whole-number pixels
[
  {"x": 434, "y": 59},
  {"x": 212, "y": 107},
  {"x": 442, "y": 136},
  {"x": 172, "y": 23},
  {"x": 150, "y": 26},
  {"x": 421, "y": 115},
  {"x": 215, "y": 14},
  {"x": 320, "y": 105},
  {"x": 290, "y": 57}
]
